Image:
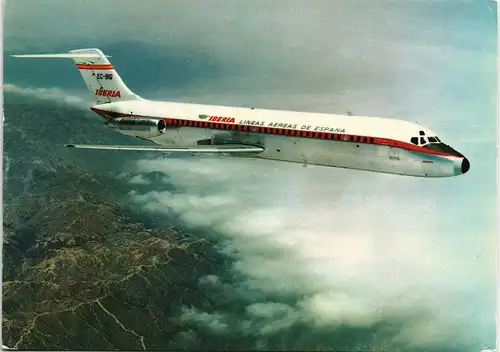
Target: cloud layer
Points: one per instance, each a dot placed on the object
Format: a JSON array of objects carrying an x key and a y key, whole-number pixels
[
  {"x": 50, "y": 94},
  {"x": 321, "y": 247}
]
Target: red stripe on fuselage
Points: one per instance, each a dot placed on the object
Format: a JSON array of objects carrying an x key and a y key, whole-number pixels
[
  {"x": 94, "y": 66},
  {"x": 285, "y": 132}
]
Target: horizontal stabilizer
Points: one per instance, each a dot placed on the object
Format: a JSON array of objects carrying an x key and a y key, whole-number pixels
[
  {"x": 231, "y": 148},
  {"x": 62, "y": 56}
]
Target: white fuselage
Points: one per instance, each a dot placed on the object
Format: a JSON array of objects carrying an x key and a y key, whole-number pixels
[{"x": 353, "y": 142}]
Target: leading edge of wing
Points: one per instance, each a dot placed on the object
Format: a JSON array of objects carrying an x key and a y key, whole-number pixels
[{"x": 229, "y": 148}]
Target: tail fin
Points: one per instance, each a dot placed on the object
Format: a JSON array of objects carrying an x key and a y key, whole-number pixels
[{"x": 99, "y": 75}]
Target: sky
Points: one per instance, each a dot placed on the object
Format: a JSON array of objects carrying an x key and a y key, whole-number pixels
[{"x": 350, "y": 247}]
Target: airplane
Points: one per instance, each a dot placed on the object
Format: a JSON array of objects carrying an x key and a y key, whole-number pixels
[{"x": 344, "y": 141}]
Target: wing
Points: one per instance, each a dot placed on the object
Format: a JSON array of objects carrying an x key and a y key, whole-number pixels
[{"x": 228, "y": 148}]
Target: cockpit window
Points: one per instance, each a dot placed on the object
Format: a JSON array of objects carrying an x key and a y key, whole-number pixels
[
  {"x": 441, "y": 147},
  {"x": 423, "y": 140}
]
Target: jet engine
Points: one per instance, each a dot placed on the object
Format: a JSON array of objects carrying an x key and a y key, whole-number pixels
[{"x": 142, "y": 127}]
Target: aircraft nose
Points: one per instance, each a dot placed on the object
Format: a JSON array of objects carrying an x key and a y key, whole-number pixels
[{"x": 465, "y": 165}]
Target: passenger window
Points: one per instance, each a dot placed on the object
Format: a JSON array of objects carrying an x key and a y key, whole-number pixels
[{"x": 414, "y": 140}]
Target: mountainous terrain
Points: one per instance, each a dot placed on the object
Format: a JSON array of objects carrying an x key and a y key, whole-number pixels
[{"x": 80, "y": 270}]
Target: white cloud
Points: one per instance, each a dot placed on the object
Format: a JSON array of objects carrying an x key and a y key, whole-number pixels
[
  {"x": 337, "y": 239},
  {"x": 270, "y": 317},
  {"x": 215, "y": 322},
  {"x": 139, "y": 180},
  {"x": 52, "y": 94}
]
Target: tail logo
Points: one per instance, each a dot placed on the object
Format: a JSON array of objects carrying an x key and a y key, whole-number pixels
[{"x": 108, "y": 93}]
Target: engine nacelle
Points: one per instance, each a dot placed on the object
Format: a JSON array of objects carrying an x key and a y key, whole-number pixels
[{"x": 143, "y": 127}]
